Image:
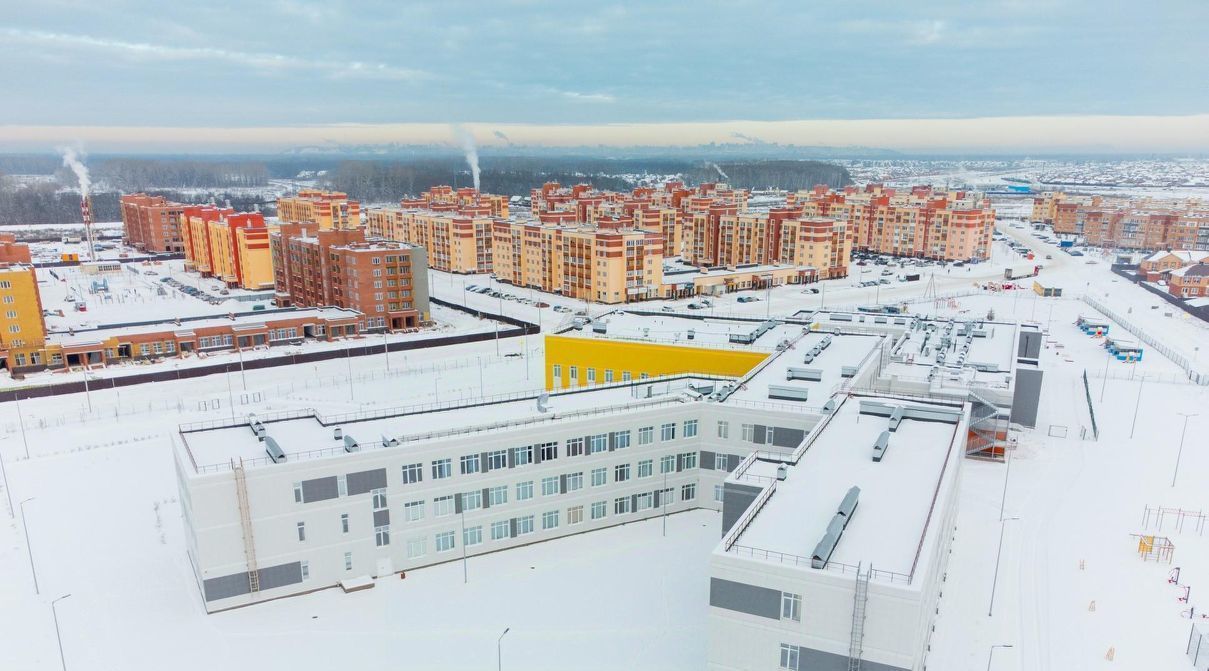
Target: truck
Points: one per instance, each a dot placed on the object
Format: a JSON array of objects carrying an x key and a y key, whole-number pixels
[
  {"x": 1066, "y": 243},
  {"x": 1010, "y": 273}
]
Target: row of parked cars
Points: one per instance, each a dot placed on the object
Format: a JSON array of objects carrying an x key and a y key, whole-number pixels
[
  {"x": 193, "y": 291},
  {"x": 488, "y": 291}
]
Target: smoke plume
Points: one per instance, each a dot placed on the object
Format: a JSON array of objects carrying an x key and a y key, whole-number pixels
[
  {"x": 720, "y": 173},
  {"x": 471, "y": 150},
  {"x": 71, "y": 159}
]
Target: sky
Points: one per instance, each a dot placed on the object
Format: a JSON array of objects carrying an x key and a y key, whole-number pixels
[{"x": 1091, "y": 74}]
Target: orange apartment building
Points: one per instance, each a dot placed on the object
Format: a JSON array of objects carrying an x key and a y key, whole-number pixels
[
  {"x": 152, "y": 223},
  {"x": 1190, "y": 281},
  {"x": 12, "y": 251},
  {"x": 328, "y": 209},
  {"x": 385, "y": 280},
  {"x": 1155, "y": 266},
  {"x": 231, "y": 246}
]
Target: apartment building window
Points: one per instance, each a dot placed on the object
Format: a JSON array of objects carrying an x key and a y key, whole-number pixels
[
  {"x": 625, "y": 376},
  {"x": 646, "y": 468},
  {"x": 472, "y": 500},
  {"x": 469, "y": 464},
  {"x": 524, "y": 525},
  {"x": 723, "y": 429},
  {"x": 550, "y": 519},
  {"x": 575, "y": 515},
  {"x": 497, "y": 459},
  {"x": 6, "y": 284},
  {"x": 791, "y": 607},
  {"x": 621, "y": 472},
  {"x": 473, "y": 536},
  {"x": 9, "y": 299},
  {"x": 442, "y": 506},
  {"x": 575, "y": 447},
  {"x": 667, "y": 464},
  {"x": 790, "y": 657},
  {"x": 644, "y": 376},
  {"x": 524, "y": 490},
  {"x": 688, "y": 492},
  {"x": 621, "y": 505},
  {"x": 599, "y": 509},
  {"x": 416, "y": 547},
  {"x": 302, "y": 532},
  {"x": 442, "y": 468},
  {"x": 608, "y": 375},
  {"x": 497, "y": 496},
  {"x": 646, "y": 501},
  {"x": 382, "y": 535},
  {"x": 550, "y": 486},
  {"x": 344, "y": 523},
  {"x": 379, "y": 499},
  {"x": 522, "y": 455},
  {"x": 621, "y": 440},
  {"x": 721, "y": 462},
  {"x": 549, "y": 451},
  {"x": 591, "y": 376},
  {"x": 667, "y": 431},
  {"x": 413, "y": 473},
  {"x": 690, "y": 428},
  {"x": 719, "y": 493},
  {"x": 306, "y": 569},
  {"x": 599, "y": 477},
  {"x": 599, "y": 443},
  {"x": 574, "y": 374},
  {"x": 748, "y": 432},
  {"x": 575, "y": 481},
  {"x": 689, "y": 459},
  {"x": 501, "y": 530},
  {"x": 297, "y": 492},
  {"x": 445, "y": 541},
  {"x": 348, "y": 561},
  {"x": 646, "y": 435}
]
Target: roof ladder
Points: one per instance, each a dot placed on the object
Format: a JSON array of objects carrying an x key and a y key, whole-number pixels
[
  {"x": 245, "y": 521},
  {"x": 860, "y": 596}
]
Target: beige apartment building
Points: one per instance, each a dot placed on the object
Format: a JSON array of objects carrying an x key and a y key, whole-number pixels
[{"x": 328, "y": 209}]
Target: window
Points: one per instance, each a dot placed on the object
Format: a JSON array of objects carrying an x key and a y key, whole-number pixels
[
  {"x": 748, "y": 432},
  {"x": 575, "y": 515},
  {"x": 574, "y": 374},
  {"x": 472, "y": 500},
  {"x": 621, "y": 440},
  {"x": 688, "y": 492},
  {"x": 379, "y": 499},
  {"x": 301, "y": 532},
  {"x": 646, "y": 468},
  {"x": 522, "y": 455},
  {"x": 469, "y": 464},
  {"x": 667, "y": 431},
  {"x": 790, "y": 656},
  {"x": 690, "y": 460},
  {"x": 413, "y": 511},
  {"x": 599, "y": 443},
  {"x": 524, "y": 490},
  {"x": 297, "y": 492},
  {"x": 445, "y": 541},
  {"x": 667, "y": 464},
  {"x": 501, "y": 530},
  {"x": 721, "y": 462},
  {"x": 575, "y": 447},
  {"x": 608, "y": 375},
  {"x": 599, "y": 509},
  {"x": 344, "y": 523},
  {"x": 524, "y": 525},
  {"x": 575, "y": 481},
  {"x": 625, "y": 376},
  {"x": 791, "y": 607},
  {"x": 497, "y": 496},
  {"x": 442, "y": 506},
  {"x": 719, "y": 493},
  {"x": 557, "y": 371},
  {"x": 382, "y": 535},
  {"x": 342, "y": 485},
  {"x": 348, "y": 561},
  {"x": 646, "y": 435},
  {"x": 690, "y": 428},
  {"x": 723, "y": 429},
  {"x": 621, "y": 506},
  {"x": 416, "y": 547},
  {"x": 550, "y": 519},
  {"x": 591, "y": 376},
  {"x": 549, "y": 451},
  {"x": 306, "y": 569},
  {"x": 646, "y": 501},
  {"x": 599, "y": 476},
  {"x": 550, "y": 486},
  {"x": 441, "y": 468},
  {"x": 472, "y": 536},
  {"x": 497, "y": 459},
  {"x": 621, "y": 472}
]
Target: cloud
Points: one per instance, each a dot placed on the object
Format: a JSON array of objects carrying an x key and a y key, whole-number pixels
[
  {"x": 588, "y": 97},
  {"x": 500, "y": 134},
  {"x": 264, "y": 62},
  {"x": 912, "y": 32}
]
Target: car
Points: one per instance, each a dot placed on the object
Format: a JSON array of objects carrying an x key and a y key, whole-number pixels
[
  {"x": 748, "y": 299},
  {"x": 883, "y": 281},
  {"x": 810, "y": 290},
  {"x": 695, "y": 306},
  {"x": 1049, "y": 256},
  {"x": 541, "y": 304},
  {"x": 668, "y": 308}
]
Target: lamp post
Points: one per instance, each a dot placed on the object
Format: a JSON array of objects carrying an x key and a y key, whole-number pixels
[
  {"x": 991, "y": 655},
  {"x": 1180, "y": 454},
  {"x": 242, "y": 378},
  {"x": 28, "y": 547},
  {"x": 1136, "y": 407},
  {"x": 21, "y": 423},
  {"x": 998, "y": 554},
  {"x": 499, "y": 646},
  {"x": 55, "y": 614}
]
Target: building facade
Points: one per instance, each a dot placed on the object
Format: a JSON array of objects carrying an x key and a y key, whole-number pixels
[
  {"x": 152, "y": 223},
  {"x": 230, "y": 246},
  {"x": 22, "y": 326},
  {"x": 328, "y": 209}
]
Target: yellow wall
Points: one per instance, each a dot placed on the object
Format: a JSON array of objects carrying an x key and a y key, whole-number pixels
[
  {"x": 637, "y": 358},
  {"x": 19, "y": 295},
  {"x": 256, "y": 264}
]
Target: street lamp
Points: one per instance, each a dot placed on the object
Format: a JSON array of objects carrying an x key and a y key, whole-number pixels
[
  {"x": 998, "y": 554},
  {"x": 29, "y": 548},
  {"x": 1180, "y": 454},
  {"x": 55, "y": 614},
  {"x": 499, "y": 642},
  {"x": 991, "y": 655}
]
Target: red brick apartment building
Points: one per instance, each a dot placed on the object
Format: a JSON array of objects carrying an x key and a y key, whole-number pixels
[
  {"x": 385, "y": 280},
  {"x": 1190, "y": 281},
  {"x": 152, "y": 223},
  {"x": 12, "y": 251}
]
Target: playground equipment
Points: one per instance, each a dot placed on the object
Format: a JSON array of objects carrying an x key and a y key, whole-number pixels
[
  {"x": 1155, "y": 548},
  {"x": 1092, "y": 327},
  {"x": 1123, "y": 350},
  {"x": 1160, "y": 516}
]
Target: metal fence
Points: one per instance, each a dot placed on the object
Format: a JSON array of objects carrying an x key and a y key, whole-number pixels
[
  {"x": 1091, "y": 410},
  {"x": 1177, "y": 358}
]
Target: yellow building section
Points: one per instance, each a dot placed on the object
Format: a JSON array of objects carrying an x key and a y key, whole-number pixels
[{"x": 577, "y": 362}]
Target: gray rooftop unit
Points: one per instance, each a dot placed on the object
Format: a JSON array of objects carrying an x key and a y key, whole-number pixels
[
  {"x": 274, "y": 450},
  {"x": 337, "y": 433},
  {"x": 848, "y": 371},
  {"x": 807, "y": 374},
  {"x": 543, "y": 402},
  {"x": 703, "y": 388},
  {"x": 835, "y": 529},
  {"x": 881, "y": 445},
  {"x": 840, "y": 317},
  {"x": 896, "y": 417},
  {"x": 350, "y": 444},
  {"x": 825, "y": 342},
  {"x": 691, "y": 334},
  {"x": 809, "y": 358},
  {"x": 822, "y": 551},
  {"x": 389, "y": 441},
  {"x": 848, "y": 505},
  {"x": 751, "y": 337},
  {"x": 829, "y": 406},
  {"x": 600, "y": 327},
  {"x": 787, "y": 393}
]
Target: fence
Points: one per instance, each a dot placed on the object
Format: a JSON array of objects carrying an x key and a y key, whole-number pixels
[
  {"x": 1095, "y": 430},
  {"x": 1178, "y": 359}
]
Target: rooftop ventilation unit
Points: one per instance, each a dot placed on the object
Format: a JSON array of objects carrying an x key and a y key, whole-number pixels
[
  {"x": 881, "y": 445},
  {"x": 691, "y": 334},
  {"x": 809, "y": 358},
  {"x": 787, "y": 393},
  {"x": 274, "y": 450},
  {"x": 829, "y": 406},
  {"x": 807, "y": 374},
  {"x": 350, "y": 444},
  {"x": 543, "y": 403},
  {"x": 896, "y": 417},
  {"x": 600, "y": 327},
  {"x": 337, "y": 433},
  {"x": 835, "y": 529},
  {"x": 389, "y": 441},
  {"x": 782, "y": 472}
]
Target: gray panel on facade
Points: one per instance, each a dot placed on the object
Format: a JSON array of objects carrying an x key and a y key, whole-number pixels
[
  {"x": 381, "y": 518},
  {"x": 512, "y": 527},
  {"x": 457, "y": 503},
  {"x": 658, "y": 498},
  {"x": 587, "y": 445},
  {"x": 1030, "y": 344},
  {"x": 634, "y": 502},
  {"x": 733, "y": 462},
  {"x": 280, "y": 575},
  {"x": 562, "y": 484},
  {"x": 1027, "y": 396},
  {"x": 783, "y": 436},
  {"x": 612, "y": 441},
  {"x": 319, "y": 489},
  {"x": 745, "y": 598},
  {"x": 760, "y": 435},
  {"x": 227, "y": 586},
  {"x": 679, "y": 462},
  {"x": 486, "y": 498},
  {"x": 819, "y": 660},
  {"x": 537, "y": 454},
  {"x": 735, "y": 499},
  {"x": 484, "y": 462},
  {"x": 706, "y": 460},
  {"x": 365, "y": 481},
  {"x": 511, "y": 458}
]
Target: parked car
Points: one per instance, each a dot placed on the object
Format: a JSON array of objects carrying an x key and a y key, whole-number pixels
[
  {"x": 695, "y": 306},
  {"x": 748, "y": 299}
]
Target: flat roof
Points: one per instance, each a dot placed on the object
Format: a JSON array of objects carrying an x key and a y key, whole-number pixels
[
  {"x": 896, "y": 494},
  {"x": 707, "y": 331},
  {"x": 844, "y": 350},
  {"x": 241, "y": 321}
]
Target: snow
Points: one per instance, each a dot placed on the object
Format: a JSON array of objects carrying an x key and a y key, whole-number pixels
[{"x": 845, "y": 350}]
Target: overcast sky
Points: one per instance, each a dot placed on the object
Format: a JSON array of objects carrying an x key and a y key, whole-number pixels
[{"x": 84, "y": 67}]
